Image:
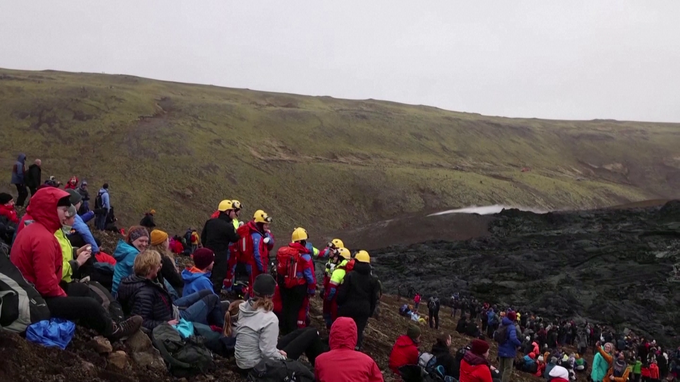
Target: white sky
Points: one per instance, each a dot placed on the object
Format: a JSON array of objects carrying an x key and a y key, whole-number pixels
[{"x": 551, "y": 59}]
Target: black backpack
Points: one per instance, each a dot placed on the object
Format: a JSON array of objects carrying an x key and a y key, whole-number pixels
[
  {"x": 280, "y": 370},
  {"x": 184, "y": 358},
  {"x": 98, "y": 202},
  {"x": 20, "y": 304},
  {"x": 501, "y": 334}
]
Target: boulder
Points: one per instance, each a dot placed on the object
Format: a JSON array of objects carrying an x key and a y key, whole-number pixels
[
  {"x": 101, "y": 345},
  {"x": 139, "y": 342},
  {"x": 118, "y": 360},
  {"x": 150, "y": 358}
]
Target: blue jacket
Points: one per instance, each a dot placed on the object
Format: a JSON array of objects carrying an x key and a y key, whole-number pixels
[
  {"x": 196, "y": 282},
  {"x": 18, "y": 176},
  {"x": 106, "y": 202},
  {"x": 600, "y": 367},
  {"x": 84, "y": 231},
  {"x": 125, "y": 255},
  {"x": 508, "y": 349}
]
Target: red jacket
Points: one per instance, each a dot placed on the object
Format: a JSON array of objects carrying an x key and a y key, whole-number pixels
[
  {"x": 646, "y": 372},
  {"x": 72, "y": 183},
  {"x": 305, "y": 267},
  {"x": 252, "y": 248},
  {"x": 654, "y": 371},
  {"x": 36, "y": 251},
  {"x": 105, "y": 258},
  {"x": 404, "y": 352},
  {"x": 474, "y": 368},
  {"x": 10, "y": 213},
  {"x": 342, "y": 363}
]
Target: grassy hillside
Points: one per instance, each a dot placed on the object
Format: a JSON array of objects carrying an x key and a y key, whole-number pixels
[{"x": 316, "y": 161}]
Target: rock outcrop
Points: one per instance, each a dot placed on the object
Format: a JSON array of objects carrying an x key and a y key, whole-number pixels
[{"x": 612, "y": 266}]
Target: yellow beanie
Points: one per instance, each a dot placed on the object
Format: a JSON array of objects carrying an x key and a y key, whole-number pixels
[{"x": 158, "y": 237}]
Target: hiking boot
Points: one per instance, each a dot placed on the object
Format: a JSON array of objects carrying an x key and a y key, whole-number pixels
[{"x": 126, "y": 328}]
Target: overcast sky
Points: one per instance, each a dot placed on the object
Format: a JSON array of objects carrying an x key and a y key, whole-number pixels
[{"x": 549, "y": 59}]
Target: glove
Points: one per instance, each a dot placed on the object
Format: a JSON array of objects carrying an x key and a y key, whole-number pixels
[
  {"x": 240, "y": 224},
  {"x": 267, "y": 240}
]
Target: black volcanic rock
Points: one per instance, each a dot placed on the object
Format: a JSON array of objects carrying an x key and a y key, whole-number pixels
[{"x": 609, "y": 266}]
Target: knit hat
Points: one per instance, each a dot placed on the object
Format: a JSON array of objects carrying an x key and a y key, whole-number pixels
[
  {"x": 264, "y": 285},
  {"x": 135, "y": 232},
  {"x": 512, "y": 316},
  {"x": 5, "y": 198},
  {"x": 158, "y": 237},
  {"x": 559, "y": 372},
  {"x": 202, "y": 257},
  {"x": 74, "y": 196},
  {"x": 413, "y": 332},
  {"x": 479, "y": 347}
]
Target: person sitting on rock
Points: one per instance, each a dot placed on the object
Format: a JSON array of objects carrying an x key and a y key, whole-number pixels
[
  {"x": 472, "y": 329},
  {"x": 7, "y": 208},
  {"x": 197, "y": 278},
  {"x": 143, "y": 294},
  {"x": 147, "y": 221},
  {"x": 343, "y": 363},
  {"x": 405, "y": 350},
  {"x": 38, "y": 256},
  {"x": 475, "y": 366},
  {"x": 462, "y": 324},
  {"x": 137, "y": 240},
  {"x": 441, "y": 350},
  {"x": 257, "y": 331}
]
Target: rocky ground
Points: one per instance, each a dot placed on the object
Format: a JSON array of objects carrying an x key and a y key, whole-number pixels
[{"x": 614, "y": 266}]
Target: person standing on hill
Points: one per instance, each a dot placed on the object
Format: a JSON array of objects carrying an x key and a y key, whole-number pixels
[
  {"x": 358, "y": 294},
  {"x": 416, "y": 301},
  {"x": 218, "y": 233},
  {"x": 433, "y": 306},
  {"x": 506, "y": 336},
  {"x": 296, "y": 280},
  {"x": 147, "y": 221},
  {"x": 102, "y": 207},
  {"x": 72, "y": 183},
  {"x": 85, "y": 195},
  {"x": 34, "y": 176},
  {"x": 19, "y": 179}
]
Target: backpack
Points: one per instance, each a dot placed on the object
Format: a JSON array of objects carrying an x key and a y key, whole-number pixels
[
  {"x": 428, "y": 362},
  {"x": 280, "y": 370},
  {"x": 98, "y": 201},
  {"x": 501, "y": 334},
  {"x": 184, "y": 358},
  {"x": 20, "y": 304},
  {"x": 288, "y": 260}
]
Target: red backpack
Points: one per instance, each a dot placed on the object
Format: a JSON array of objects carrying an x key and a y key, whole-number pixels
[{"x": 288, "y": 261}]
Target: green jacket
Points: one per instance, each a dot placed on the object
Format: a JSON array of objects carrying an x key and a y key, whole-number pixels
[
  {"x": 69, "y": 265},
  {"x": 637, "y": 367}
]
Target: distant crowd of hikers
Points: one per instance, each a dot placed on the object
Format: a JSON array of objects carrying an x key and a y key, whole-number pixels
[{"x": 56, "y": 271}]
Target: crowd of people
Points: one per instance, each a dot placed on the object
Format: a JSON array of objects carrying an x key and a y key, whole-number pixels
[{"x": 52, "y": 244}]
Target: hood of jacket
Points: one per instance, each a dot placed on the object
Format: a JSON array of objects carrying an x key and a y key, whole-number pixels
[
  {"x": 362, "y": 268},
  {"x": 246, "y": 310},
  {"x": 124, "y": 250},
  {"x": 103, "y": 191},
  {"x": 193, "y": 274},
  {"x": 301, "y": 248},
  {"x": 43, "y": 207},
  {"x": 506, "y": 321},
  {"x": 405, "y": 341},
  {"x": 343, "y": 334},
  {"x": 21, "y": 158},
  {"x": 474, "y": 359}
]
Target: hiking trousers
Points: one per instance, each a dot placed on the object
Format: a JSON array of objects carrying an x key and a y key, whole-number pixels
[
  {"x": 302, "y": 341},
  {"x": 433, "y": 319},
  {"x": 292, "y": 302},
  {"x": 203, "y": 307},
  {"x": 505, "y": 367},
  {"x": 23, "y": 194},
  {"x": 80, "y": 306}
]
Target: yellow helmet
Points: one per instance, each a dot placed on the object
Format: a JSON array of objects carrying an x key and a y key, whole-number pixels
[
  {"x": 344, "y": 253},
  {"x": 299, "y": 234},
  {"x": 362, "y": 257},
  {"x": 337, "y": 243},
  {"x": 261, "y": 217},
  {"x": 225, "y": 205}
]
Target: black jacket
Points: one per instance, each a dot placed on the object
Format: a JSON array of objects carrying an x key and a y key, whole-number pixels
[
  {"x": 218, "y": 233},
  {"x": 143, "y": 297},
  {"x": 444, "y": 358},
  {"x": 34, "y": 176},
  {"x": 358, "y": 293},
  {"x": 462, "y": 324},
  {"x": 147, "y": 221},
  {"x": 169, "y": 273}
]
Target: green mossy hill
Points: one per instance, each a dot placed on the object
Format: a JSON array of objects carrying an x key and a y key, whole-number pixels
[{"x": 320, "y": 162}]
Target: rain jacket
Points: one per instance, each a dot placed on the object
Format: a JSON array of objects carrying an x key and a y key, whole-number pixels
[
  {"x": 106, "y": 200},
  {"x": 84, "y": 231},
  {"x": 217, "y": 234},
  {"x": 125, "y": 255},
  {"x": 404, "y": 352},
  {"x": 36, "y": 252},
  {"x": 474, "y": 368},
  {"x": 10, "y": 213},
  {"x": 69, "y": 265},
  {"x": 143, "y": 297},
  {"x": 34, "y": 176},
  {"x": 195, "y": 280},
  {"x": 19, "y": 171},
  {"x": 601, "y": 363},
  {"x": 358, "y": 295},
  {"x": 72, "y": 183},
  {"x": 343, "y": 363},
  {"x": 256, "y": 333},
  {"x": 252, "y": 248},
  {"x": 305, "y": 268},
  {"x": 508, "y": 349}
]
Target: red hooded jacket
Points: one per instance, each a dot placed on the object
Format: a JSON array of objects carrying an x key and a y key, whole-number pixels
[
  {"x": 404, "y": 352},
  {"x": 343, "y": 363},
  {"x": 10, "y": 213},
  {"x": 72, "y": 183},
  {"x": 36, "y": 251},
  {"x": 474, "y": 368},
  {"x": 251, "y": 248}
]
